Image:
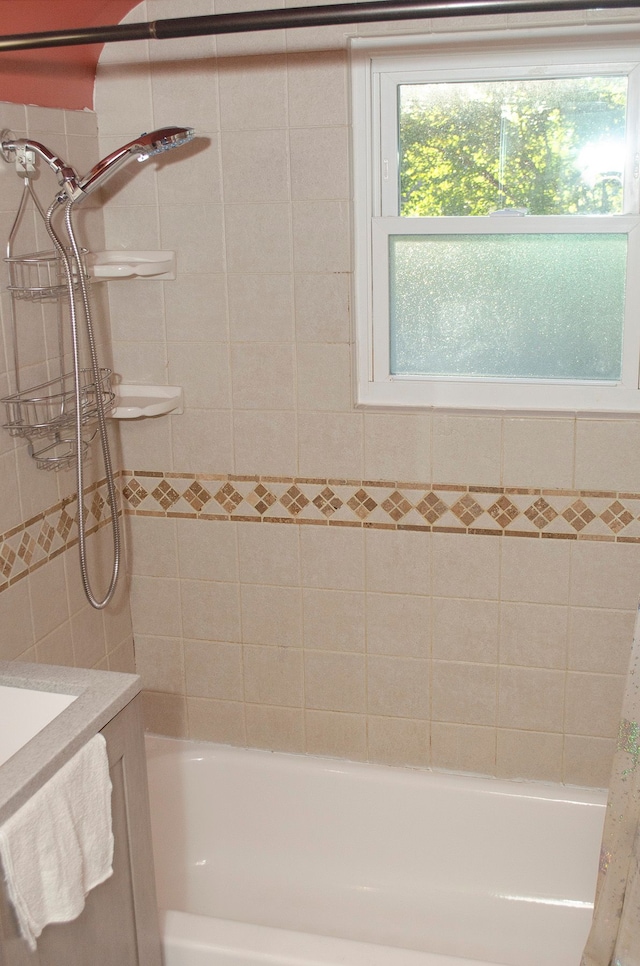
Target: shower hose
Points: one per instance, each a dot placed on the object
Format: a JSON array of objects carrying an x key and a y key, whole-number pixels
[{"x": 71, "y": 279}]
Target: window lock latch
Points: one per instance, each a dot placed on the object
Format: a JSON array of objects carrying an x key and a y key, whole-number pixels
[{"x": 509, "y": 213}]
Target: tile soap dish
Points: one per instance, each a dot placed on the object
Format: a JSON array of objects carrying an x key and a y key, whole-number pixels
[
  {"x": 104, "y": 266},
  {"x": 136, "y": 402}
]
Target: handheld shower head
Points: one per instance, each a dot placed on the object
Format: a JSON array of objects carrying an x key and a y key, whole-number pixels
[{"x": 143, "y": 147}]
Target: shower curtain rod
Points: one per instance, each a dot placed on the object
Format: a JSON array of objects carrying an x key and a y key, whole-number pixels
[{"x": 319, "y": 16}]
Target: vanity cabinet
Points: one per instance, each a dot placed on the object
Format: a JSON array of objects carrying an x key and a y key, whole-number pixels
[{"x": 119, "y": 924}]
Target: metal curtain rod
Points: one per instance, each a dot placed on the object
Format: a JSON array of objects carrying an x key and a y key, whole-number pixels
[{"x": 321, "y": 16}]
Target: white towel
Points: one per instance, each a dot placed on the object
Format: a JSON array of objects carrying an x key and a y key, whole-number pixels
[{"x": 59, "y": 845}]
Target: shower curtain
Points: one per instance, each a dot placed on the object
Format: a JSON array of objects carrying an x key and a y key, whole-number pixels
[{"x": 614, "y": 939}]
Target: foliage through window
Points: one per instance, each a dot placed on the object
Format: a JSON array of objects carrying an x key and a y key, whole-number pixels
[{"x": 497, "y": 227}]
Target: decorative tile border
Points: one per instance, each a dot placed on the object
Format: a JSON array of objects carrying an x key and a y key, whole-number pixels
[
  {"x": 376, "y": 504},
  {"x": 32, "y": 544},
  {"x": 439, "y": 508}
]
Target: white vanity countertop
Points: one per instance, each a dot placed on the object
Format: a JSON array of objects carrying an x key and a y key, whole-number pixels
[{"x": 93, "y": 698}]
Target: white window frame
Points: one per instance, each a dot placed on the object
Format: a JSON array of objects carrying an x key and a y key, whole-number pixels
[{"x": 377, "y": 66}]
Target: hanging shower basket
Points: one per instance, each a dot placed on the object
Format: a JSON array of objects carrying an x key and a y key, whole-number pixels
[
  {"x": 41, "y": 276},
  {"x": 51, "y": 407}
]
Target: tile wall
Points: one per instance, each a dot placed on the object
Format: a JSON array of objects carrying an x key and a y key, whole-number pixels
[
  {"x": 426, "y": 588},
  {"x": 44, "y": 616}
]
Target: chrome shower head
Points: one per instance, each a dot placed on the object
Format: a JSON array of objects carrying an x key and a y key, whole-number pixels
[{"x": 143, "y": 147}]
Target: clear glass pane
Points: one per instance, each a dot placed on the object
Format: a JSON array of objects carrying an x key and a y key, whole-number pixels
[
  {"x": 538, "y": 306},
  {"x": 550, "y": 146}
]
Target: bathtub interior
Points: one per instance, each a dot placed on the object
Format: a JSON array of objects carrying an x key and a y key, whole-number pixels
[{"x": 437, "y": 864}]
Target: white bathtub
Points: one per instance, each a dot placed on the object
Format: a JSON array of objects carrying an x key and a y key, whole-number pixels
[{"x": 267, "y": 859}]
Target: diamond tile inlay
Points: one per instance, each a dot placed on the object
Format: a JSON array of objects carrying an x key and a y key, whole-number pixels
[
  {"x": 503, "y": 511},
  {"x": 362, "y": 504},
  {"x": 134, "y": 493},
  {"x": 261, "y": 498},
  {"x": 579, "y": 515},
  {"x": 467, "y": 509},
  {"x": 46, "y": 536},
  {"x": 228, "y": 497},
  {"x": 327, "y": 502},
  {"x": 616, "y": 516},
  {"x": 294, "y": 500},
  {"x": 165, "y": 495},
  {"x": 196, "y": 496},
  {"x": 26, "y": 548},
  {"x": 540, "y": 513},
  {"x": 396, "y": 505},
  {"x": 7, "y": 560},
  {"x": 65, "y": 522},
  {"x": 431, "y": 507}
]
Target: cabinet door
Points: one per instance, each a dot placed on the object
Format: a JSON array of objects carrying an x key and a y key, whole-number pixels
[{"x": 119, "y": 924}]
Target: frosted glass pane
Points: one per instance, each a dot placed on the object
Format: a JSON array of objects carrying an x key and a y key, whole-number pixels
[
  {"x": 551, "y": 146},
  {"x": 538, "y": 306}
]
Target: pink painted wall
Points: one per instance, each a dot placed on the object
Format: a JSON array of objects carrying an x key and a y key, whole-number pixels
[{"x": 59, "y": 77}]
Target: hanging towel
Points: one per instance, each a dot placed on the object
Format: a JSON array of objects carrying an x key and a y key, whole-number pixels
[{"x": 59, "y": 845}]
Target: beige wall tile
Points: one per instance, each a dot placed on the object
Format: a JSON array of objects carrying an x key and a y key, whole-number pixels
[
  {"x": 398, "y": 562},
  {"x": 165, "y": 714},
  {"x": 336, "y": 735},
  {"x": 600, "y": 640},
  {"x": 465, "y": 630},
  {"x": 48, "y": 593},
  {"x": 258, "y": 238},
  {"x": 458, "y": 747},
  {"x": 399, "y": 625},
  {"x": 207, "y": 550},
  {"x": 330, "y": 445},
  {"x": 593, "y": 704},
  {"x": 155, "y": 606},
  {"x": 587, "y": 761},
  {"x": 255, "y": 166},
  {"x": 538, "y": 452},
  {"x": 323, "y": 377},
  {"x": 318, "y": 89},
  {"x": 196, "y": 308},
  {"x": 322, "y": 307},
  {"x": 334, "y": 682},
  {"x": 263, "y": 376},
  {"x": 589, "y": 564},
  {"x": 160, "y": 663},
  {"x": 531, "y": 699},
  {"x": 201, "y": 442},
  {"x": 151, "y": 547},
  {"x": 87, "y": 633},
  {"x": 202, "y": 370},
  {"x": 271, "y": 615},
  {"x": 253, "y": 93},
  {"x": 260, "y": 308},
  {"x": 210, "y": 611},
  {"x": 56, "y": 647},
  {"x": 398, "y": 687},
  {"x": 464, "y": 693},
  {"x": 533, "y": 635},
  {"x": 333, "y": 620},
  {"x": 278, "y": 729},
  {"x": 535, "y": 571},
  {"x": 273, "y": 675},
  {"x": 265, "y": 442},
  {"x": 607, "y": 454},
  {"x": 465, "y": 566},
  {"x": 211, "y": 720},
  {"x": 332, "y": 558},
  {"x": 268, "y": 554},
  {"x": 321, "y": 232},
  {"x": 213, "y": 670},
  {"x": 319, "y": 163},
  {"x": 397, "y": 447},
  {"x": 466, "y": 448},
  {"x": 398, "y": 741},
  {"x": 530, "y": 755}
]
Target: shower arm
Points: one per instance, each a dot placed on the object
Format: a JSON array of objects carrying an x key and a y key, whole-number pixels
[
  {"x": 17, "y": 149},
  {"x": 317, "y": 16}
]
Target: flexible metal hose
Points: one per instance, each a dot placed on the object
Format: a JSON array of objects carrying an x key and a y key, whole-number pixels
[{"x": 102, "y": 424}]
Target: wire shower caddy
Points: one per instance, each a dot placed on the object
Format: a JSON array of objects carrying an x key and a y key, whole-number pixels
[{"x": 47, "y": 413}]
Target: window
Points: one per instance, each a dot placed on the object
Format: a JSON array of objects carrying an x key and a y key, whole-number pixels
[{"x": 497, "y": 224}]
